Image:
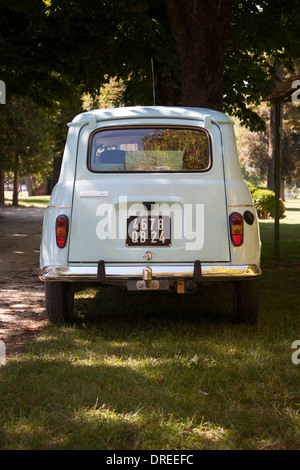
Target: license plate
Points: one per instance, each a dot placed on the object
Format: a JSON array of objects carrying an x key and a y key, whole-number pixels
[{"x": 148, "y": 230}]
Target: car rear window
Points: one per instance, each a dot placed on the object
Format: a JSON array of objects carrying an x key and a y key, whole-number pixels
[{"x": 150, "y": 149}]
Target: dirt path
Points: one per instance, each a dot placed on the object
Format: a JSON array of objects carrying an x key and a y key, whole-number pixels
[{"x": 22, "y": 306}]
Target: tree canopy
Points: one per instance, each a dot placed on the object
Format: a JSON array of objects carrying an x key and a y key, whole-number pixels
[
  {"x": 254, "y": 148},
  {"x": 222, "y": 54}
]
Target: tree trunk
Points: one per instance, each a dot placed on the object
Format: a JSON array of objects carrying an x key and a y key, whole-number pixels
[
  {"x": 2, "y": 181},
  {"x": 29, "y": 185},
  {"x": 201, "y": 35},
  {"x": 166, "y": 95},
  {"x": 272, "y": 140},
  {"x": 271, "y": 165},
  {"x": 272, "y": 132},
  {"x": 15, "y": 200},
  {"x": 282, "y": 186},
  {"x": 55, "y": 172}
]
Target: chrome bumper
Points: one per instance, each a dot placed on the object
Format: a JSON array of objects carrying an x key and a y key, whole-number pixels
[{"x": 171, "y": 272}]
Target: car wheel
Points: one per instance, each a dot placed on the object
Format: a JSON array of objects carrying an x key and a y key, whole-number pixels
[
  {"x": 246, "y": 301},
  {"x": 59, "y": 301}
]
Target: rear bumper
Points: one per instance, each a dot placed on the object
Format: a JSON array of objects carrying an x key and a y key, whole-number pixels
[{"x": 171, "y": 272}]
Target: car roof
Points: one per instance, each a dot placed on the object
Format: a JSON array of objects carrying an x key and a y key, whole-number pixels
[{"x": 139, "y": 112}]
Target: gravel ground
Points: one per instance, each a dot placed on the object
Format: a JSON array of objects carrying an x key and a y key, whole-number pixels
[{"x": 22, "y": 305}]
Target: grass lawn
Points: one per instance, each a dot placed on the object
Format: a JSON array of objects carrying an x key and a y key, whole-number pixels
[
  {"x": 165, "y": 372},
  {"x": 28, "y": 201},
  {"x": 289, "y": 235}
]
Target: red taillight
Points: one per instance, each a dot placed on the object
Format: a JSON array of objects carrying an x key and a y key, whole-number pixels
[
  {"x": 236, "y": 228},
  {"x": 62, "y": 223}
]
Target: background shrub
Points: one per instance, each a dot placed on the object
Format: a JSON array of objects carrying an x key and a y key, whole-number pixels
[
  {"x": 264, "y": 201},
  {"x": 251, "y": 188}
]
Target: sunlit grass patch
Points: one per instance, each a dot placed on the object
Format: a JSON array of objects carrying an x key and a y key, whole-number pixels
[{"x": 29, "y": 201}]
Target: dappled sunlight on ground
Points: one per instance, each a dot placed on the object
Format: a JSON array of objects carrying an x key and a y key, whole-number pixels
[{"x": 22, "y": 307}]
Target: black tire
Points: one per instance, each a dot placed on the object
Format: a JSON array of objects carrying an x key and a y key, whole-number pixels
[
  {"x": 246, "y": 301},
  {"x": 59, "y": 301}
]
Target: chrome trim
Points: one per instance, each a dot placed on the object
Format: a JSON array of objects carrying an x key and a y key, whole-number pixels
[
  {"x": 93, "y": 194},
  {"x": 89, "y": 273},
  {"x": 58, "y": 207},
  {"x": 241, "y": 205}
]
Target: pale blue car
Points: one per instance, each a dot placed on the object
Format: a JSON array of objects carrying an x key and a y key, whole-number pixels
[{"x": 150, "y": 198}]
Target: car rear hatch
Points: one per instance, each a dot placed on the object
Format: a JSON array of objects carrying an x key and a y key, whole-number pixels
[{"x": 166, "y": 202}]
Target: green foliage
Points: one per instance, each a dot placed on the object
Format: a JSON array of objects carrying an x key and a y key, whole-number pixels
[
  {"x": 51, "y": 50},
  {"x": 35, "y": 135},
  {"x": 59, "y": 114},
  {"x": 254, "y": 147},
  {"x": 264, "y": 36},
  {"x": 79, "y": 43},
  {"x": 252, "y": 188},
  {"x": 23, "y": 135},
  {"x": 264, "y": 201},
  {"x": 111, "y": 95}
]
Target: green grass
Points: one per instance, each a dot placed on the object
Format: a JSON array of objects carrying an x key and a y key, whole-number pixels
[
  {"x": 138, "y": 371},
  {"x": 289, "y": 235},
  {"x": 32, "y": 201}
]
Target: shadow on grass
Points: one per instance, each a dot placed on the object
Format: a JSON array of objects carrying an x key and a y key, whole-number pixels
[
  {"x": 292, "y": 209},
  {"x": 114, "y": 384},
  {"x": 209, "y": 305},
  {"x": 138, "y": 371}
]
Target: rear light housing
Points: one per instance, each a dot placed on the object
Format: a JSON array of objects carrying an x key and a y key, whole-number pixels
[
  {"x": 236, "y": 222},
  {"x": 61, "y": 230}
]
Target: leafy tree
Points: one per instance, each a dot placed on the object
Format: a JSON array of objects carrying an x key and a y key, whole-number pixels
[
  {"x": 111, "y": 95},
  {"x": 22, "y": 145},
  {"x": 47, "y": 45},
  {"x": 58, "y": 115},
  {"x": 254, "y": 148},
  {"x": 264, "y": 37},
  {"x": 221, "y": 54}
]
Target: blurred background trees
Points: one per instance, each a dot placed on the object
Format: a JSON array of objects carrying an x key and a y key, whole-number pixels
[
  {"x": 58, "y": 58},
  {"x": 254, "y": 150}
]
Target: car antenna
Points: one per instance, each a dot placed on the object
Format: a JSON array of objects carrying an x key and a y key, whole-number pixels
[{"x": 153, "y": 81}]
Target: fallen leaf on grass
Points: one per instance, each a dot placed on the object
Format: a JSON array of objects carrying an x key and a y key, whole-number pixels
[{"x": 194, "y": 360}]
